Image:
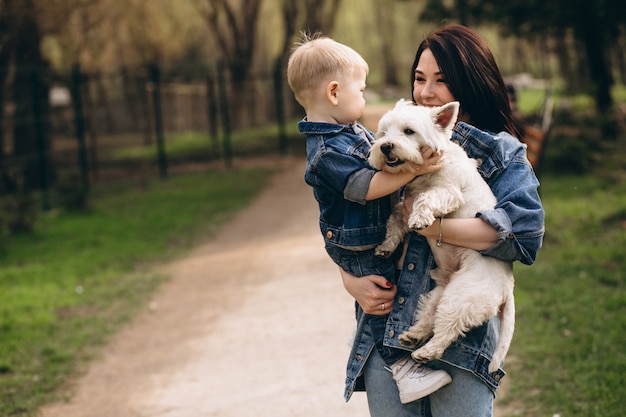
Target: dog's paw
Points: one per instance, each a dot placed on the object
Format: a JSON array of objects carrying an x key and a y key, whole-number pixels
[
  {"x": 384, "y": 251},
  {"x": 426, "y": 353},
  {"x": 407, "y": 340},
  {"x": 414, "y": 336},
  {"x": 420, "y": 221},
  {"x": 493, "y": 367}
]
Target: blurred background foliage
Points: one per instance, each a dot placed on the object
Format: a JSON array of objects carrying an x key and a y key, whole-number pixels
[
  {"x": 113, "y": 49},
  {"x": 132, "y": 70},
  {"x": 579, "y": 43}
]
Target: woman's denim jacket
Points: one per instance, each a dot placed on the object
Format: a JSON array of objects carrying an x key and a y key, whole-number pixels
[
  {"x": 340, "y": 175},
  {"x": 519, "y": 221}
]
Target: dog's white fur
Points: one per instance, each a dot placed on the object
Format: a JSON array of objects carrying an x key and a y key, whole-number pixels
[{"x": 471, "y": 288}]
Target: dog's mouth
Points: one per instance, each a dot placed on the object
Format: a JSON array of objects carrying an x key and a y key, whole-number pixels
[
  {"x": 390, "y": 158},
  {"x": 394, "y": 162}
]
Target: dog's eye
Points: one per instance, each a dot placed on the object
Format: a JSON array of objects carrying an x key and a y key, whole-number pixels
[{"x": 408, "y": 131}]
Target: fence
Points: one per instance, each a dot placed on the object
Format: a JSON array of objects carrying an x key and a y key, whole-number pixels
[{"x": 92, "y": 117}]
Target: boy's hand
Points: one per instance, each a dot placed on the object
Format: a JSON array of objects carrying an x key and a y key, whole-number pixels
[{"x": 432, "y": 162}]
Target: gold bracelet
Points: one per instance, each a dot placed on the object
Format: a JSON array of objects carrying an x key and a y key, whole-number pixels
[{"x": 440, "y": 231}]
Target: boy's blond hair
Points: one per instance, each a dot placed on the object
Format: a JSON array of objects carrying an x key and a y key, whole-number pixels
[{"x": 315, "y": 59}]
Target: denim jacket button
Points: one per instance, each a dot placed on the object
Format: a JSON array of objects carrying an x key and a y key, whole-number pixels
[
  {"x": 329, "y": 235},
  {"x": 411, "y": 266},
  {"x": 401, "y": 300},
  {"x": 392, "y": 333}
]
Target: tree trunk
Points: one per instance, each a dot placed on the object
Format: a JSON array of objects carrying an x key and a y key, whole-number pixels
[
  {"x": 387, "y": 33},
  {"x": 593, "y": 36},
  {"x": 564, "y": 60},
  {"x": 5, "y": 57},
  {"x": 30, "y": 95}
]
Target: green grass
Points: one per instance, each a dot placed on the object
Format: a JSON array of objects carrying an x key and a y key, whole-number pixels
[
  {"x": 529, "y": 101},
  {"x": 245, "y": 142},
  {"x": 571, "y": 305},
  {"x": 71, "y": 283}
]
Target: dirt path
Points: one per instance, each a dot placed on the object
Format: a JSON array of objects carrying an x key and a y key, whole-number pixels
[{"x": 254, "y": 323}]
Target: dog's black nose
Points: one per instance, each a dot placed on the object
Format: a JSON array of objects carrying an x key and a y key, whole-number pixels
[{"x": 386, "y": 148}]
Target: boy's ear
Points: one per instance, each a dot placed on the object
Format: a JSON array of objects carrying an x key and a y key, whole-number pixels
[{"x": 332, "y": 92}]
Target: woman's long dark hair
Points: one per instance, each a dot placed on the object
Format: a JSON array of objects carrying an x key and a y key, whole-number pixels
[{"x": 472, "y": 75}]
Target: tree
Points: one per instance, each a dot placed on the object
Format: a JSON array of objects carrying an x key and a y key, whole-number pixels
[
  {"x": 595, "y": 24},
  {"x": 234, "y": 28},
  {"x": 384, "y": 11},
  {"x": 310, "y": 16},
  {"x": 31, "y": 141}
]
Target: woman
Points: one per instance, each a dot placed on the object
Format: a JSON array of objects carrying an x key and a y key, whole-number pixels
[{"x": 453, "y": 63}]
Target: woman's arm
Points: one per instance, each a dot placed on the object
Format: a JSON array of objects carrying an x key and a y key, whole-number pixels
[
  {"x": 468, "y": 233},
  {"x": 373, "y": 292},
  {"x": 471, "y": 233}
]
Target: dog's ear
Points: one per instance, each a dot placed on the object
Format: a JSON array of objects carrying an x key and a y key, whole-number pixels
[
  {"x": 400, "y": 103},
  {"x": 445, "y": 116}
]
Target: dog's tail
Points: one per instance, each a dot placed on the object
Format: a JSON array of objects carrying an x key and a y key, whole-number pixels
[{"x": 507, "y": 327}]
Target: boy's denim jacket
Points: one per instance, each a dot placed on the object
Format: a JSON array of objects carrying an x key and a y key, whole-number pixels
[
  {"x": 340, "y": 175},
  {"x": 519, "y": 221}
]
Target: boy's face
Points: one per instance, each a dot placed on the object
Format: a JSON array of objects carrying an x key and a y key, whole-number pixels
[{"x": 350, "y": 100}]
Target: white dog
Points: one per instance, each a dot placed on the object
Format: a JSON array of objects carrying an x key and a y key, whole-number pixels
[{"x": 471, "y": 288}]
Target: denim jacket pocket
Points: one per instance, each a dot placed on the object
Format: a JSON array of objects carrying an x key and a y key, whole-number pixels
[
  {"x": 482, "y": 371},
  {"x": 355, "y": 239}
]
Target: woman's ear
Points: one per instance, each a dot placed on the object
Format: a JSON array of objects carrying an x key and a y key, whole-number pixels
[{"x": 332, "y": 92}]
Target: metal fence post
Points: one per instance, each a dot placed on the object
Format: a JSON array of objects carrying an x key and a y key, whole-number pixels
[
  {"x": 158, "y": 118},
  {"x": 280, "y": 106},
  {"x": 42, "y": 153},
  {"x": 221, "y": 85},
  {"x": 212, "y": 116},
  {"x": 79, "y": 122}
]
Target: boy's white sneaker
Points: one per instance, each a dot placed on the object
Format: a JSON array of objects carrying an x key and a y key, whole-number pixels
[{"x": 415, "y": 380}]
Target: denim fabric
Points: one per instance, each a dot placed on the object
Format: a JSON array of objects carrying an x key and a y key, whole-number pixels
[
  {"x": 466, "y": 395},
  {"x": 340, "y": 175},
  {"x": 359, "y": 264},
  {"x": 338, "y": 170},
  {"x": 388, "y": 354},
  {"x": 519, "y": 220},
  {"x": 518, "y": 216},
  {"x": 365, "y": 262}
]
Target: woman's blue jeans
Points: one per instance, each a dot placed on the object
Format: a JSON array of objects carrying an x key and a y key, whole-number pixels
[{"x": 465, "y": 396}]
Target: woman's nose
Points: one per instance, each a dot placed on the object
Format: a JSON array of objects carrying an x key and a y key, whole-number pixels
[{"x": 426, "y": 90}]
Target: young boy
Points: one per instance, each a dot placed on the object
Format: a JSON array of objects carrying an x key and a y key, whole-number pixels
[{"x": 355, "y": 200}]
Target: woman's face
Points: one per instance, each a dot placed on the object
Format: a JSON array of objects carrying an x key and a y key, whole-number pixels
[{"x": 429, "y": 86}]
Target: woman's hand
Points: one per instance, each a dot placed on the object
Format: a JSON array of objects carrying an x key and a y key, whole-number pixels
[{"x": 373, "y": 292}]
